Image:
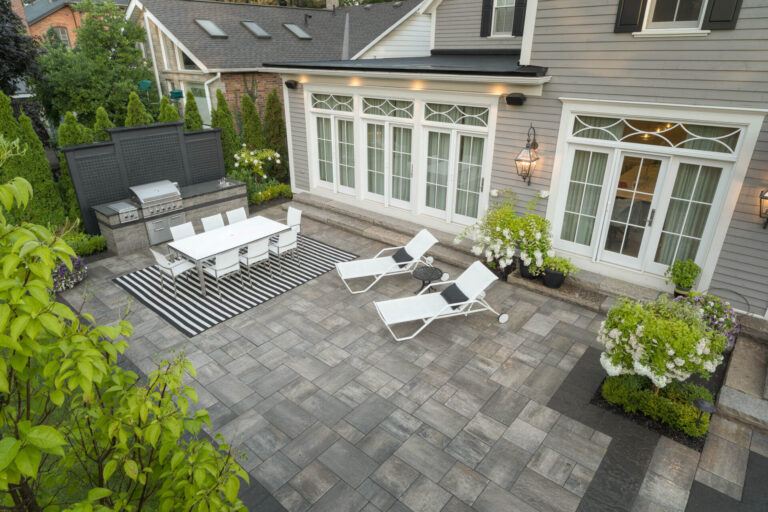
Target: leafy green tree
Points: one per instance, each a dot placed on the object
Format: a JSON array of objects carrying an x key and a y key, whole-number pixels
[
  {"x": 168, "y": 113},
  {"x": 222, "y": 118},
  {"x": 252, "y": 131},
  {"x": 136, "y": 113},
  {"x": 19, "y": 50},
  {"x": 102, "y": 69},
  {"x": 275, "y": 135},
  {"x": 78, "y": 432},
  {"x": 102, "y": 124},
  {"x": 71, "y": 133},
  {"x": 192, "y": 119}
]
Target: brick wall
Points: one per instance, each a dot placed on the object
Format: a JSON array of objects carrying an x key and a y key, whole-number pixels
[
  {"x": 64, "y": 17},
  {"x": 18, "y": 8},
  {"x": 234, "y": 88}
]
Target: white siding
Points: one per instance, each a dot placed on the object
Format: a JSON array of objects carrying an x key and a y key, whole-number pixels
[
  {"x": 298, "y": 139},
  {"x": 458, "y": 27},
  {"x": 409, "y": 39}
]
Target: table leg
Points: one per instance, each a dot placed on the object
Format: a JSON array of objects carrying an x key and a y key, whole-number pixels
[
  {"x": 424, "y": 284},
  {"x": 201, "y": 276}
]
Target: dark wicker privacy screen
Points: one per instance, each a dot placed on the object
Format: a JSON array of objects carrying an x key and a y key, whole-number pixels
[{"x": 103, "y": 171}]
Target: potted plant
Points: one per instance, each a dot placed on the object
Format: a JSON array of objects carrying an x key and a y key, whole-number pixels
[
  {"x": 534, "y": 242},
  {"x": 556, "y": 268},
  {"x": 683, "y": 273}
]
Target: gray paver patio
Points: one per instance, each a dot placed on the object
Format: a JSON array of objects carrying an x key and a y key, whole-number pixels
[{"x": 336, "y": 416}]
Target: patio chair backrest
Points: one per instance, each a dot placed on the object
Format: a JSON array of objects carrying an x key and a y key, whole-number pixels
[
  {"x": 474, "y": 280},
  {"x": 286, "y": 238},
  {"x": 258, "y": 248},
  {"x": 161, "y": 260},
  {"x": 227, "y": 260},
  {"x": 236, "y": 215},
  {"x": 420, "y": 244},
  {"x": 182, "y": 231},
  {"x": 294, "y": 217},
  {"x": 212, "y": 222}
]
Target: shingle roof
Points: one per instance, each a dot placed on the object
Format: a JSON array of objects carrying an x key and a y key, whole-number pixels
[
  {"x": 242, "y": 50},
  {"x": 38, "y": 10}
]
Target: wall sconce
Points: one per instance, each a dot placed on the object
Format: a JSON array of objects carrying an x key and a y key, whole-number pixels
[
  {"x": 764, "y": 207},
  {"x": 291, "y": 84},
  {"x": 526, "y": 160}
]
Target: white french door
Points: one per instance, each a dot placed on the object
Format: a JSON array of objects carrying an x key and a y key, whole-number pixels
[
  {"x": 389, "y": 163},
  {"x": 336, "y": 153},
  {"x": 454, "y": 175}
]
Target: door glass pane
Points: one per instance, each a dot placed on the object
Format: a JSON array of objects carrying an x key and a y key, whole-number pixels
[
  {"x": 198, "y": 91},
  {"x": 469, "y": 175},
  {"x": 584, "y": 191},
  {"x": 325, "y": 149},
  {"x": 346, "y": 153},
  {"x": 376, "y": 158},
  {"x": 438, "y": 153},
  {"x": 401, "y": 163},
  {"x": 632, "y": 205},
  {"x": 688, "y": 212}
]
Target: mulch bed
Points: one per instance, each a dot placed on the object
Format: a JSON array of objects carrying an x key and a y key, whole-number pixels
[{"x": 713, "y": 384}]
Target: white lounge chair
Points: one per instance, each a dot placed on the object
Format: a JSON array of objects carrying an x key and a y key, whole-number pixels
[
  {"x": 463, "y": 296},
  {"x": 402, "y": 261}
]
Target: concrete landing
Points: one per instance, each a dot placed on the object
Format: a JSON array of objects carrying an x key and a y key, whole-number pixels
[{"x": 742, "y": 395}]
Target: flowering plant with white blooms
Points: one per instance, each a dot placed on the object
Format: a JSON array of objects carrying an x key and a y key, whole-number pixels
[
  {"x": 253, "y": 160},
  {"x": 663, "y": 340},
  {"x": 534, "y": 240}
]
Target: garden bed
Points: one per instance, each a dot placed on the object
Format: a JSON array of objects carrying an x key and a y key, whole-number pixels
[
  {"x": 713, "y": 384},
  {"x": 253, "y": 208}
]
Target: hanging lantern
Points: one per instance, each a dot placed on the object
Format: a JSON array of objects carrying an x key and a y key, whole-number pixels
[
  {"x": 764, "y": 207},
  {"x": 526, "y": 160}
]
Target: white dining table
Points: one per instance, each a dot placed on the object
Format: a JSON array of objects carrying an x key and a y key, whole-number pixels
[{"x": 204, "y": 246}]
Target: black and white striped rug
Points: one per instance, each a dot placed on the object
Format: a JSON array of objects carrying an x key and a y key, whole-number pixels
[{"x": 192, "y": 313}]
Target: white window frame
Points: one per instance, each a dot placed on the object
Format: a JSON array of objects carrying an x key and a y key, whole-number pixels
[
  {"x": 734, "y": 170},
  {"x": 502, "y": 35},
  {"x": 418, "y": 148},
  {"x": 673, "y": 28},
  {"x": 57, "y": 29}
]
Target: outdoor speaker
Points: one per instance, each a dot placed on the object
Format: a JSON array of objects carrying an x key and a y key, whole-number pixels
[
  {"x": 515, "y": 99},
  {"x": 291, "y": 84}
]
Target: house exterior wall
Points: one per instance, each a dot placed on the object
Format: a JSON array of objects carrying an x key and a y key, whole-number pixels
[
  {"x": 727, "y": 68},
  {"x": 410, "y": 39},
  {"x": 297, "y": 120},
  {"x": 64, "y": 17},
  {"x": 457, "y": 26},
  {"x": 259, "y": 84}
]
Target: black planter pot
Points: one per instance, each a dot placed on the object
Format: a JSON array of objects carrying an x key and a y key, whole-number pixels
[
  {"x": 553, "y": 279},
  {"x": 504, "y": 273},
  {"x": 525, "y": 273},
  {"x": 682, "y": 292}
]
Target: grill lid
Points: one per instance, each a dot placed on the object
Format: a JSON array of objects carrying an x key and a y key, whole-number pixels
[{"x": 152, "y": 192}]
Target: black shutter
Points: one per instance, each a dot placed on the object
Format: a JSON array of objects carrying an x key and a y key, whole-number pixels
[
  {"x": 721, "y": 14},
  {"x": 519, "y": 23},
  {"x": 630, "y": 16},
  {"x": 487, "y": 19}
]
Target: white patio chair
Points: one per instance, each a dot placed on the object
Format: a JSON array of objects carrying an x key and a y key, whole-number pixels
[
  {"x": 256, "y": 253},
  {"x": 402, "y": 261},
  {"x": 223, "y": 265},
  {"x": 171, "y": 269},
  {"x": 287, "y": 242},
  {"x": 463, "y": 296},
  {"x": 294, "y": 219},
  {"x": 236, "y": 215},
  {"x": 182, "y": 231},
  {"x": 212, "y": 222}
]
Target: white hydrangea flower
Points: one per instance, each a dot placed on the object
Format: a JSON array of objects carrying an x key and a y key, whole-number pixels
[
  {"x": 477, "y": 250},
  {"x": 544, "y": 194},
  {"x": 550, "y": 253},
  {"x": 494, "y": 192},
  {"x": 537, "y": 236},
  {"x": 237, "y": 164}
]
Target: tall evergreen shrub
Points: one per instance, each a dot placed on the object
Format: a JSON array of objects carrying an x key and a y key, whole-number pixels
[
  {"x": 253, "y": 131},
  {"x": 102, "y": 124},
  {"x": 222, "y": 118},
  {"x": 168, "y": 112},
  {"x": 136, "y": 112},
  {"x": 71, "y": 133},
  {"x": 192, "y": 119},
  {"x": 275, "y": 135}
]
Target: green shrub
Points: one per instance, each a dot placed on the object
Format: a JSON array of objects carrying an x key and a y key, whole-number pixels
[
  {"x": 70, "y": 133},
  {"x": 682, "y": 273},
  {"x": 275, "y": 137},
  {"x": 559, "y": 264},
  {"x": 84, "y": 244},
  {"x": 168, "y": 112},
  {"x": 269, "y": 189},
  {"x": 192, "y": 119},
  {"x": 136, "y": 113},
  {"x": 673, "y": 405},
  {"x": 222, "y": 118},
  {"x": 102, "y": 124},
  {"x": 252, "y": 131}
]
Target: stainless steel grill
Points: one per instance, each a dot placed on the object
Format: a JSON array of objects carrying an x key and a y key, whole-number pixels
[
  {"x": 157, "y": 198},
  {"x": 127, "y": 212}
]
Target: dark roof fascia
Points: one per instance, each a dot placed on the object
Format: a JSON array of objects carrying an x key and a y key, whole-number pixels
[
  {"x": 44, "y": 15},
  {"x": 534, "y": 71},
  {"x": 476, "y": 51}
]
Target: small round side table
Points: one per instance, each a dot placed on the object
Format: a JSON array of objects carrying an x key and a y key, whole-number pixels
[{"x": 427, "y": 275}]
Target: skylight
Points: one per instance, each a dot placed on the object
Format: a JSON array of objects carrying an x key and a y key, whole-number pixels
[
  {"x": 297, "y": 31},
  {"x": 256, "y": 29},
  {"x": 212, "y": 29}
]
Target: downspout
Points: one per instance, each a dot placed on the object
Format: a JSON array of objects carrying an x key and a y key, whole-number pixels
[
  {"x": 154, "y": 59},
  {"x": 345, "y": 44},
  {"x": 208, "y": 93}
]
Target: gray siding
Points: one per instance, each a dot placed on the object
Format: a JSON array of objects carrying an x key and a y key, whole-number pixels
[
  {"x": 298, "y": 140},
  {"x": 588, "y": 60},
  {"x": 458, "y": 26}
]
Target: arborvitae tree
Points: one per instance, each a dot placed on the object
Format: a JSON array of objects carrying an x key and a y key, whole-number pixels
[
  {"x": 192, "y": 119},
  {"x": 101, "y": 125},
  {"x": 136, "y": 113},
  {"x": 8, "y": 127},
  {"x": 253, "y": 132},
  {"x": 45, "y": 207},
  {"x": 71, "y": 133},
  {"x": 275, "y": 136},
  {"x": 168, "y": 112},
  {"x": 222, "y": 118}
]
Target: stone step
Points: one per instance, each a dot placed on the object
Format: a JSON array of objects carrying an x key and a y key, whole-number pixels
[{"x": 742, "y": 397}]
